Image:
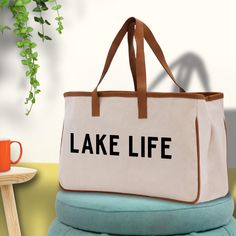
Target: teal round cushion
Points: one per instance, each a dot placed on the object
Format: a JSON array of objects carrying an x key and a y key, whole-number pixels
[
  {"x": 136, "y": 215},
  {"x": 59, "y": 229}
]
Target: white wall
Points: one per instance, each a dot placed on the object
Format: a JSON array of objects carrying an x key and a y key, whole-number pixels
[{"x": 199, "y": 35}]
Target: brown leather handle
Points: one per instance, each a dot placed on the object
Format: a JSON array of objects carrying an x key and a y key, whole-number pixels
[
  {"x": 114, "y": 46},
  {"x": 141, "y": 74},
  {"x": 132, "y": 57},
  {"x": 150, "y": 39},
  {"x": 137, "y": 63}
]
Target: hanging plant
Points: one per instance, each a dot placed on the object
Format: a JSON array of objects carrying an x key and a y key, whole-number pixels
[{"x": 21, "y": 14}]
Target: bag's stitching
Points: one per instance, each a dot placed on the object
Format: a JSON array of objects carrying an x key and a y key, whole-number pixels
[{"x": 198, "y": 161}]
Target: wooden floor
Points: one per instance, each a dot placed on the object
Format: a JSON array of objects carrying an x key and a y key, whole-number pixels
[{"x": 36, "y": 200}]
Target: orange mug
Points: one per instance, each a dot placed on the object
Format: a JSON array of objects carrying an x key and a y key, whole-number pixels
[{"x": 5, "y": 154}]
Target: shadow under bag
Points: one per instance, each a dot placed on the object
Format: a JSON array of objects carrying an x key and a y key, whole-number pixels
[{"x": 166, "y": 145}]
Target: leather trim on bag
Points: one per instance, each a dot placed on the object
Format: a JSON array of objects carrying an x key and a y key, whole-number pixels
[
  {"x": 197, "y": 95},
  {"x": 169, "y": 199},
  {"x": 226, "y": 138},
  {"x": 129, "y": 194},
  {"x": 198, "y": 161}
]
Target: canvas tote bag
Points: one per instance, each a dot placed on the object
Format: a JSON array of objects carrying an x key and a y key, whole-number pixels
[{"x": 166, "y": 145}]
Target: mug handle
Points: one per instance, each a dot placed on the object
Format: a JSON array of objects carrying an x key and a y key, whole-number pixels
[{"x": 15, "y": 162}]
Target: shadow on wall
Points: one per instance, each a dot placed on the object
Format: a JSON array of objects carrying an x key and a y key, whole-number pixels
[
  {"x": 185, "y": 66},
  {"x": 8, "y": 82}
]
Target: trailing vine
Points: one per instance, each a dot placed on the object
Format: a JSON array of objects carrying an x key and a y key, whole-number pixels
[
  {"x": 41, "y": 6},
  {"x": 59, "y": 18},
  {"x": 21, "y": 14}
]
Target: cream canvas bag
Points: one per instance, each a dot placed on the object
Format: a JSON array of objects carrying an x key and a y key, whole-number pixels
[{"x": 166, "y": 145}]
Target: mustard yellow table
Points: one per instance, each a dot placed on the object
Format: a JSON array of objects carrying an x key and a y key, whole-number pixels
[{"x": 14, "y": 176}]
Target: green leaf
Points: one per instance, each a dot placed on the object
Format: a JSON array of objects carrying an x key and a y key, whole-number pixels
[
  {"x": 17, "y": 32},
  {"x": 29, "y": 29},
  {"x": 39, "y": 19},
  {"x": 21, "y": 19},
  {"x": 59, "y": 30},
  {"x": 23, "y": 30},
  {"x": 19, "y": 3},
  {"x": 57, "y": 7},
  {"x": 25, "y": 62},
  {"x": 26, "y": 43},
  {"x": 31, "y": 95},
  {"x": 37, "y": 91},
  {"x": 33, "y": 45},
  {"x": 26, "y": 40},
  {"x": 35, "y": 55},
  {"x": 59, "y": 18},
  {"x": 37, "y": 9},
  {"x": 34, "y": 83},
  {"x": 4, "y": 3},
  {"x": 42, "y": 3},
  {"x": 28, "y": 72},
  {"x": 26, "y": 1},
  {"x": 36, "y": 66},
  {"x": 19, "y": 44},
  {"x": 47, "y": 37},
  {"x": 40, "y": 35},
  {"x": 22, "y": 53},
  {"x": 47, "y": 22},
  {"x": 44, "y": 7}
]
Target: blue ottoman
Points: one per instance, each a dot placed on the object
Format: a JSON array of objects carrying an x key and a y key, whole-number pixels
[
  {"x": 80, "y": 213},
  {"x": 59, "y": 229}
]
